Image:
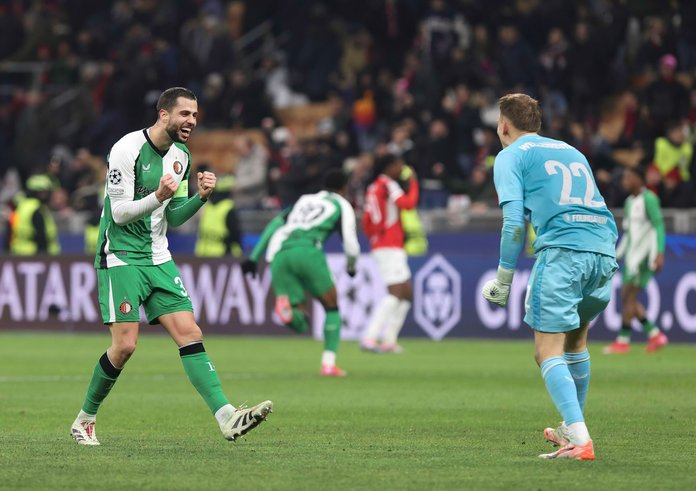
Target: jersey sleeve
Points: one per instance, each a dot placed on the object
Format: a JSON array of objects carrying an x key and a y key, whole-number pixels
[
  {"x": 409, "y": 200},
  {"x": 120, "y": 187},
  {"x": 507, "y": 176},
  {"x": 512, "y": 234},
  {"x": 652, "y": 209},
  {"x": 351, "y": 246},
  {"x": 267, "y": 233}
]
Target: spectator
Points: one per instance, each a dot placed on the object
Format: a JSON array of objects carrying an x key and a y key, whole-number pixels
[
  {"x": 250, "y": 189},
  {"x": 437, "y": 166},
  {"x": 443, "y": 29},
  {"x": 666, "y": 99},
  {"x": 31, "y": 229},
  {"x": 673, "y": 155},
  {"x": 517, "y": 63},
  {"x": 554, "y": 65}
]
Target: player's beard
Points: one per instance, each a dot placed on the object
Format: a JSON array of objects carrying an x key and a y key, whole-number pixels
[{"x": 173, "y": 132}]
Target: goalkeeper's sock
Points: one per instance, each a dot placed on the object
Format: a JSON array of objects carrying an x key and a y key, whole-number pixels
[
  {"x": 385, "y": 310},
  {"x": 561, "y": 388},
  {"x": 201, "y": 372},
  {"x": 650, "y": 329},
  {"x": 579, "y": 368},
  {"x": 624, "y": 334},
  {"x": 332, "y": 330},
  {"x": 103, "y": 379},
  {"x": 394, "y": 325}
]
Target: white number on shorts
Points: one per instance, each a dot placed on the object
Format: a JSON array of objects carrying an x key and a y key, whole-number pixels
[
  {"x": 180, "y": 284},
  {"x": 567, "y": 172}
]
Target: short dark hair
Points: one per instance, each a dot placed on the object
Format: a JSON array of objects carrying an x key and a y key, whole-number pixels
[
  {"x": 638, "y": 170},
  {"x": 167, "y": 99},
  {"x": 384, "y": 162},
  {"x": 523, "y": 111},
  {"x": 335, "y": 180}
]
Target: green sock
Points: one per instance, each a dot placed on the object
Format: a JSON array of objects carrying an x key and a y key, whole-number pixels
[
  {"x": 201, "y": 372},
  {"x": 299, "y": 321},
  {"x": 648, "y": 326},
  {"x": 103, "y": 379},
  {"x": 332, "y": 330},
  {"x": 625, "y": 332}
]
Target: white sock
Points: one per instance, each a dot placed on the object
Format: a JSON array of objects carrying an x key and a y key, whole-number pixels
[
  {"x": 396, "y": 322},
  {"x": 224, "y": 413},
  {"x": 328, "y": 358},
  {"x": 83, "y": 415},
  {"x": 653, "y": 332},
  {"x": 578, "y": 433},
  {"x": 384, "y": 311}
]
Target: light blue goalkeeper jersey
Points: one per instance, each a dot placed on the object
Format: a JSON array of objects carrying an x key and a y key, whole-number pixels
[{"x": 561, "y": 200}]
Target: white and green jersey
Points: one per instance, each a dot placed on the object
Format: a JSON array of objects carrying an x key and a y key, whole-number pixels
[
  {"x": 643, "y": 231},
  {"x": 311, "y": 220},
  {"x": 135, "y": 168}
]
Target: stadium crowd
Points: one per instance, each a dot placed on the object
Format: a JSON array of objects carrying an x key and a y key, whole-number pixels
[{"x": 415, "y": 78}]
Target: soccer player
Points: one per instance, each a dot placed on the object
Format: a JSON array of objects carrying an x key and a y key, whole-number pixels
[
  {"x": 382, "y": 224},
  {"x": 642, "y": 246},
  {"x": 146, "y": 190},
  {"x": 551, "y": 183},
  {"x": 294, "y": 242}
]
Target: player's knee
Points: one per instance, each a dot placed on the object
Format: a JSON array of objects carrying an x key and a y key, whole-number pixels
[
  {"x": 192, "y": 334},
  {"x": 330, "y": 302},
  {"x": 122, "y": 351},
  {"x": 538, "y": 357}
]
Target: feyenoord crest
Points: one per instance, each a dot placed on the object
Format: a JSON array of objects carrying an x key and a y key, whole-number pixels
[
  {"x": 126, "y": 307},
  {"x": 178, "y": 168}
]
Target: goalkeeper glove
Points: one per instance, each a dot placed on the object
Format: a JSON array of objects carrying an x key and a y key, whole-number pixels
[
  {"x": 497, "y": 291},
  {"x": 249, "y": 267}
]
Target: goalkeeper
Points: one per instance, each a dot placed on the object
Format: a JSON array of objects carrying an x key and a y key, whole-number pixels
[
  {"x": 552, "y": 183},
  {"x": 294, "y": 242}
]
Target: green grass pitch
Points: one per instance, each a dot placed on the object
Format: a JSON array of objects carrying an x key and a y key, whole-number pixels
[{"x": 451, "y": 415}]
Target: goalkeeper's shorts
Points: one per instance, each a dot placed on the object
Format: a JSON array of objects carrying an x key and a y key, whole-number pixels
[{"x": 567, "y": 289}]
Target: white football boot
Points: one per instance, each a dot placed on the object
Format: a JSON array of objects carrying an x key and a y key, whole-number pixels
[
  {"x": 84, "y": 430},
  {"x": 243, "y": 420}
]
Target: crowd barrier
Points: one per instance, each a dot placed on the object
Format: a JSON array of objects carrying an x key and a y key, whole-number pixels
[{"x": 60, "y": 294}]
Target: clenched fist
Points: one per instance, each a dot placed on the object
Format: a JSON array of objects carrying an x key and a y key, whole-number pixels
[
  {"x": 167, "y": 188},
  {"x": 206, "y": 184}
]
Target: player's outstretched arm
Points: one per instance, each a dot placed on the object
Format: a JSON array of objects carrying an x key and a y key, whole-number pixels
[
  {"x": 349, "y": 234},
  {"x": 277, "y": 222},
  {"x": 409, "y": 200},
  {"x": 511, "y": 242},
  {"x": 652, "y": 208}
]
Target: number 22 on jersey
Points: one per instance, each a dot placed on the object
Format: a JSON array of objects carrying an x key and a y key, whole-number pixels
[{"x": 568, "y": 173}]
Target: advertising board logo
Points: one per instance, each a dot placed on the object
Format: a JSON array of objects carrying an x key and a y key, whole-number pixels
[{"x": 438, "y": 307}]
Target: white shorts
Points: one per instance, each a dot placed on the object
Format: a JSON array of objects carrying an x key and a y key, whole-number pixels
[{"x": 392, "y": 264}]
